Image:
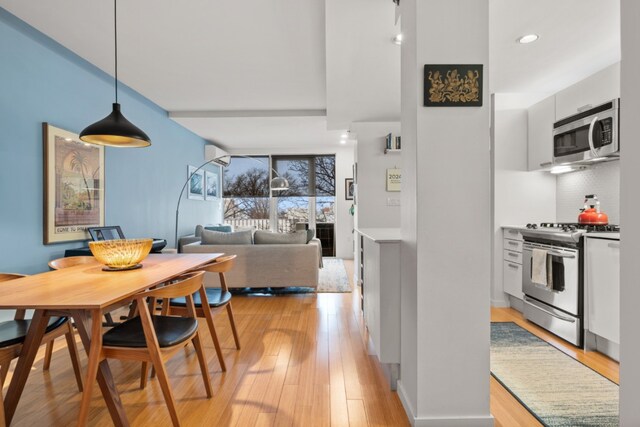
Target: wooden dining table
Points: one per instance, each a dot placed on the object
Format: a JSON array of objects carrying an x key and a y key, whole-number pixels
[{"x": 85, "y": 292}]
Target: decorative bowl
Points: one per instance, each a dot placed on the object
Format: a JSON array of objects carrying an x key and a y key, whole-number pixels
[{"x": 121, "y": 254}]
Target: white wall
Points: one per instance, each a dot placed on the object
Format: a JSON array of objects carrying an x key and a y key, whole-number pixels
[
  {"x": 446, "y": 183},
  {"x": 344, "y": 161},
  {"x": 602, "y": 179},
  {"x": 629, "y": 208},
  {"x": 372, "y": 196},
  {"x": 520, "y": 197}
]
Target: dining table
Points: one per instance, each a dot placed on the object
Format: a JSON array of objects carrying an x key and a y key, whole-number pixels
[{"x": 85, "y": 292}]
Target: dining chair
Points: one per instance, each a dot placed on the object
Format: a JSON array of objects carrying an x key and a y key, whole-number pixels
[
  {"x": 153, "y": 338},
  {"x": 72, "y": 261},
  {"x": 13, "y": 333},
  {"x": 218, "y": 299}
]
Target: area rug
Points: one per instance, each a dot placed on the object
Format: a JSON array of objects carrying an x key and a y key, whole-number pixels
[
  {"x": 333, "y": 276},
  {"x": 557, "y": 389}
]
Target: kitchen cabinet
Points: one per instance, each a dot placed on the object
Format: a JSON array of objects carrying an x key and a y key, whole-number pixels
[
  {"x": 540, "y": 134},
  {"x": 602, "y": 283},
  {"x": 596, "y": 89},
  {"x": 512, "y": 262}
]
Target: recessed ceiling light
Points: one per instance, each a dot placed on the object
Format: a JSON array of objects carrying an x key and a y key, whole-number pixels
[
  {"x": 528, "y": 38},
  {"x": 343, "y": 141},
  {"x": 397, "y": 39},
  {"x": 344, "y": 135}
]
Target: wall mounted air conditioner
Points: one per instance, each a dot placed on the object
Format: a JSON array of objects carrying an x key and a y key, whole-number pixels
[{"x": 217, "y": 155}]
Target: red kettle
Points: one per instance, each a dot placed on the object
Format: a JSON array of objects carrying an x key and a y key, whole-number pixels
[{"x": 590, "y": 214}]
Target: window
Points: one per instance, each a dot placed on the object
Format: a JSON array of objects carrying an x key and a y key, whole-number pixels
[{"x": 246, "y": 192}]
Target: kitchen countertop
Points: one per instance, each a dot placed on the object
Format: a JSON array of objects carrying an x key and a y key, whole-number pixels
[
  {"x": 381, "y": 235},
  {"x": 513, "y": 227}
]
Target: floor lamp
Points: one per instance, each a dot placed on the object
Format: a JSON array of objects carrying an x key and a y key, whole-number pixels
[{"x": 278, "y": 183}]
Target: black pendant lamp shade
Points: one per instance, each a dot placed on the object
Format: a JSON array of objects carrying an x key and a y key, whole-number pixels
[{"x": 115, "y": 130}]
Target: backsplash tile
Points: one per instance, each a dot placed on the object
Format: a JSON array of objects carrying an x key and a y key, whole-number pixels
[{"x": 602, "y": 179}]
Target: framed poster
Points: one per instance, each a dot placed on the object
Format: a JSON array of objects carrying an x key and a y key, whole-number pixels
[
  {"x": 348, "y": 189},
  {"x": 196, "y": 183},
  {"x": 453, "y": 85},
  {"x": 394, "y": 179},
  {"x": 73, "y": 186},
  {"x": 212, "y": 184}
]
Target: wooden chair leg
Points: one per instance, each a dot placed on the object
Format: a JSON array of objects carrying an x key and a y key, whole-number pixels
[
  {"x": 4, "y": 370},
  {"x": 214, "y": 336},
  {"x": 75, "y": 356},
  {"x": 233, "y": 325},
  {"x": 144, "y": 375},
  {"x": 203, "y": 364},
  {"x": 2, "y": 422},
  {"x": 47, "y": 356},
  {"x": 163, "y": 379}
]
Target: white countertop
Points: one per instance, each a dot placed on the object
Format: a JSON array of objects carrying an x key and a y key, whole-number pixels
[
  {"x": 381, "y": 235},
  {"x": 513, "y": 227}
]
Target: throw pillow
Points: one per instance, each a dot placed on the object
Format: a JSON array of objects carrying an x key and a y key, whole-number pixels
[
  {"x": 223, "y": 238},
  {"x": 268, "y": 238},
  {"x": 221, "y": 228}
]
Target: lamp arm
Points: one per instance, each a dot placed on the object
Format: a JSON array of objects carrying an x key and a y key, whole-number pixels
[{"x": 182, "y": 192}]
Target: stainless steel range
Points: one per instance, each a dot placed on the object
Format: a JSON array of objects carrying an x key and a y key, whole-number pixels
[{"x": 552, "y": 276}]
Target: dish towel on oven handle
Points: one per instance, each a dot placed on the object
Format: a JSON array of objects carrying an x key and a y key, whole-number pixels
[{"x": 539, "y": 272}]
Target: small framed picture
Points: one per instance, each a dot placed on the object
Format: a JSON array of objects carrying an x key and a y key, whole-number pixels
[
  {"x": 196, "y": 184},
  {"x": 348, "y": 189},
  {"x": 212, "y": 185}
]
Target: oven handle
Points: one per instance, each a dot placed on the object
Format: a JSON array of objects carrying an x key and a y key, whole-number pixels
[
  {"x": 533, "y": 302},
  {"x": 554, "y": 253},
  {"x": 590, "y": 136}
]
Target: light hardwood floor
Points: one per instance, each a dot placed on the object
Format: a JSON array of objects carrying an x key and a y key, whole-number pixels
[{"x": 303, "y": 362}]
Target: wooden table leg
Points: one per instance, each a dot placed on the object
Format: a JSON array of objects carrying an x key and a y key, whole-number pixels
[
  {"x": 25, "y": 362},
  {"x": 97, "y": 368}
]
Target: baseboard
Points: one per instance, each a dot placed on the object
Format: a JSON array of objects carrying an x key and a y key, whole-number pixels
[
  {"x": 499, "y": 303},
  {"x": 484, "y": 421}
]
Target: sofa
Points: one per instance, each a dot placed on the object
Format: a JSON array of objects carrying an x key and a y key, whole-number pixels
[{"x": 263, "y": 264}]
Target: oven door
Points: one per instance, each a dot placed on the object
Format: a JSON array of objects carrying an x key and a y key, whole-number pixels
[
  {"x": 586, "y": 136},
  {"x": 565, "y": 267}
]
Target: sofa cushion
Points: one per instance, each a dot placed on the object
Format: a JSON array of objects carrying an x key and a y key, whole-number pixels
[
  {"x": 262, "y": 237},
  {"x": 221, "y": 238},
  {"x": 221, "y": 228}
]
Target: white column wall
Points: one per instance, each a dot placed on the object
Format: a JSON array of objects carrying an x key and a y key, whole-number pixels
[
  {"x": 446, "y": 222},
  {"x": 629, "y": 208}
]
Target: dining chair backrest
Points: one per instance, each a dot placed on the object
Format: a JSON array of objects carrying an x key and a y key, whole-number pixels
[
  {"x": 60, "y": 263},
  {"x": 10, "y": 276},
  {"x": 186, "y": 285},
  {"x": 220, "y": 265}
]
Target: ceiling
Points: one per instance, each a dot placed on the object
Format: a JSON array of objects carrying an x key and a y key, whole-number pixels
[{"x": 207, "y": 61}]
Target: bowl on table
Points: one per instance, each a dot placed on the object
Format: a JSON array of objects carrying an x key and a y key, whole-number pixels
[{"x": 121, "y": 254}]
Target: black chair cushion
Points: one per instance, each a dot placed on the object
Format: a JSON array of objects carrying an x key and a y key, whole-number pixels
[
  {"x": 169, "y": 330},
  {"x": 216, "y": 296},
  {"x": 15, "y": 331}
]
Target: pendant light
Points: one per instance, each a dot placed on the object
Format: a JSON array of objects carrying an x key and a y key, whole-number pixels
[{"x": 115, "y": 130}]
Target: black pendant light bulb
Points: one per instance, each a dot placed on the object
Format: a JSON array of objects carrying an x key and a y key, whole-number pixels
[{"x": 115, "y": 130}]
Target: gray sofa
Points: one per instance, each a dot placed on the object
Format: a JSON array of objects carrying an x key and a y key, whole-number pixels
[{"x": 266, "y": 265}]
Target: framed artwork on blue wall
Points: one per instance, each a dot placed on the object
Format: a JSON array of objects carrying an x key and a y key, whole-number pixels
[
  {"x": 196, "y": 184},
  {"x": 73, "y": 186},
  {"x": 212, "y": 184}
]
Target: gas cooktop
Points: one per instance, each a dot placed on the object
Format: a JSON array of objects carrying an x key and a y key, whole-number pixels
[{"x": 565, "y": 231}]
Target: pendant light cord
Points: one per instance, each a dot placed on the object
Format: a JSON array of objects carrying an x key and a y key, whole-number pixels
[{"x": 115, "y": 34}]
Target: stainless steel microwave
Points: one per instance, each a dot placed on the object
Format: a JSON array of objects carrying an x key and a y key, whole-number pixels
[{"x": 588, "y": 136}]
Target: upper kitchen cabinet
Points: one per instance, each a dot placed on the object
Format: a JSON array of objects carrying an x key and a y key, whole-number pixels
[
  {"x": 597, "y": 89},
  {"x": 540, "y": 134}
]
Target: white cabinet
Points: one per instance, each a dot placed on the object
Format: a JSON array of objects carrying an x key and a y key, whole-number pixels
[
  {"x": 540, "y": 134},
  {"x": 597, "y": 89},
  {"x": 512, "y": 262},
  {"x": 602, "y": 282}
]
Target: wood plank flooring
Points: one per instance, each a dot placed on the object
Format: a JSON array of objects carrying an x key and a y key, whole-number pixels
[{"x": 303, "y": 362}]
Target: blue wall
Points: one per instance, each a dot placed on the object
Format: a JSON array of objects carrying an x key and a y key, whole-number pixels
[{"x": 41, "y": 81}]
